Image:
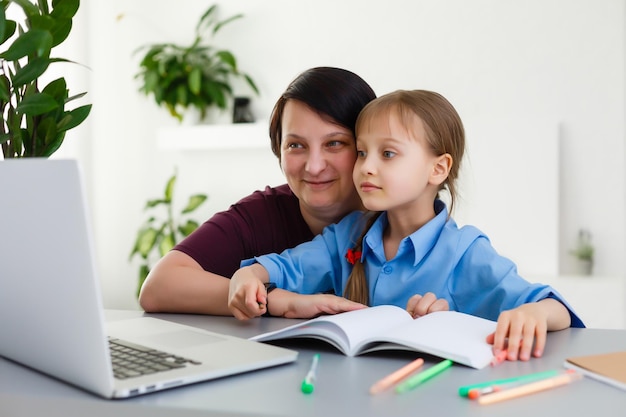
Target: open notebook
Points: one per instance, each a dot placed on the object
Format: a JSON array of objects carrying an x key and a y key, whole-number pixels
[{"x": 51, "y": 312}]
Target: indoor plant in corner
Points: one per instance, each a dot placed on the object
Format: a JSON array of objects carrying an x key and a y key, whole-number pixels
[
  {"x": 34, "y": 119},
  {"x": 156, "y": 237},
  {"x": 584, "y": 252},
  {"x": 196, "y": 76}
]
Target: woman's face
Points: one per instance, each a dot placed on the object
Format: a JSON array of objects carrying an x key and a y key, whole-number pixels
[{"x": 317, "y": 158}]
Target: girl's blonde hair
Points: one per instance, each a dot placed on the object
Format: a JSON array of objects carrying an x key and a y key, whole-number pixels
[{"x": 444, "y": 134}]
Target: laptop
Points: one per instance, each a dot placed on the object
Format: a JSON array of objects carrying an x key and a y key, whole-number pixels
[{"x": 51, "y": 312}]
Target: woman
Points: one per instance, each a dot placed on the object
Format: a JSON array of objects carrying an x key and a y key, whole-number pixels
[{"x": 312, "y": 134}]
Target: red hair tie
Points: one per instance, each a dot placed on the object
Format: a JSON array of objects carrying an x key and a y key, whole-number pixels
[{"x": 353, "y": 255}]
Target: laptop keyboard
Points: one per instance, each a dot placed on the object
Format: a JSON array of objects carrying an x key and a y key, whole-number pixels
[{"x": 131, "y": 360}]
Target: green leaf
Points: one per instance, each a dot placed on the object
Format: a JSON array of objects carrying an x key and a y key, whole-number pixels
[
  {"x": 74, "y": 118},
  {"x": 225, "y": 22},
  {"x": 146, "y": 239},
  {"x": 251, "y": 83},
  {"x": 37, "y": 104},
  {"x": 5, "y": 86},
  {"x": 195, "y": 80},
  {"x": 61, "y": 31},
  {"x": 227, "y": 58},
  {"x": 34, "y": 42},
  {"x": 144, "y": 270},
  {"x": 169, "y": 188},
  {"x": 47, "y": 130},
  {"x": 31, "y": 71},
  {"x": 154, "y": 203},
  {"x": 3, "y": 21},
  {"x": 64, "y": 8},
  {"x": 43, "y": 22},
  {"x": 194, "y": 202},
  {"x": 167, "y": 243},
  {"x": 206, "y": 19},
  {"x": 181, "y": 95},
  {"x": 9, "y": 30},
  {"x": 57, "y": 89},
  {"x": 187, "y": 228},
  {"x": 216, "y": 93}
]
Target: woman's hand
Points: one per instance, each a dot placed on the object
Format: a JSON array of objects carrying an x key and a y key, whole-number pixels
[
  {"x": 420, "y": 305},
  {"x": 518, "y": 329},
  {"x": 247, "y": 297}
]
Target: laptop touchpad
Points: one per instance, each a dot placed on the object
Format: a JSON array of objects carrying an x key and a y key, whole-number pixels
[{"x": 181, "y": 339}]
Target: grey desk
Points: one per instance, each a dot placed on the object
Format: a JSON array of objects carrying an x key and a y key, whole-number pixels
[{"x": 341, "y": 388}]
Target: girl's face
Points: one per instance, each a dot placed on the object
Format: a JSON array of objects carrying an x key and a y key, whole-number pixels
[
  {"x": 317, "y": 158},
  {"x": 395, "y": 169}
]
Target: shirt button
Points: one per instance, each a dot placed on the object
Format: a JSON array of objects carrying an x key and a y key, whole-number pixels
[{"x": 387, "y": 270}]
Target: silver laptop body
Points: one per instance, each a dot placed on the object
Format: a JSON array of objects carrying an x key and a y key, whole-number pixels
[{"x": 51, "y": 312}]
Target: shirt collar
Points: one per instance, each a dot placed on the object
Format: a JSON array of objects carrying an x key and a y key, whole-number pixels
[{"x": 422, "y": 240}]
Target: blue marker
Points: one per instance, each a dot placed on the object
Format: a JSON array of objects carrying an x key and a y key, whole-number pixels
[{"x": 309, "y": 380}]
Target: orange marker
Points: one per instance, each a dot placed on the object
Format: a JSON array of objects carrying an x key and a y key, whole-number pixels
[
  {"x": 477, "y": 392},
  {"x": 396, "y": 377},
  {"x": 531, "y": 388}
]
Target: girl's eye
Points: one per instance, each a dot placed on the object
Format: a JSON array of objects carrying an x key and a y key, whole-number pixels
[
  {"x": 360, "y": 154},
  {"x": 388, "y": 154}
]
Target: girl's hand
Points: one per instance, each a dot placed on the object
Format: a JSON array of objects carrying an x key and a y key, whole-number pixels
[
  {"x": 304, "y": 306},
  {"x": 518, "y": 329},
  {"x": 247, "y": 297},
  {"x": 419, "y": 305}
]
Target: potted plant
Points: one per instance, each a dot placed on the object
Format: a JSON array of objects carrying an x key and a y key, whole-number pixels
[
  {"x": 584, "y": 251},
  {"x": 198, "y": 75},
  {"x": 34, "y": 119},
  {"x": 156, "y": 237}
]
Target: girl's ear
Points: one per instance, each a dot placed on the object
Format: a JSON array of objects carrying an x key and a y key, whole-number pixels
[{"x": 441, "y": 169}]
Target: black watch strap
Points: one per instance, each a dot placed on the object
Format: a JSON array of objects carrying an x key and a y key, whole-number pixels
[{"x": 269, "y": 287}]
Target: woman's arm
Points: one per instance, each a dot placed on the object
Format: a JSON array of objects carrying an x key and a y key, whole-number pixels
[
  {"x": 178, "y": 283},
  {"x": 264, "y": 222}
]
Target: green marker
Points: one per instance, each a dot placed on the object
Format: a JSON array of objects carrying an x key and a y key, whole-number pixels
[
  {"x": 309, "y": 380},
  {"x": 414, "y": 381},
  {"x": 464, "y": 390}
]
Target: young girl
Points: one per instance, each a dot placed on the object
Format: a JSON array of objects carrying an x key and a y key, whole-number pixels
[{"x": 406, "y": 250}]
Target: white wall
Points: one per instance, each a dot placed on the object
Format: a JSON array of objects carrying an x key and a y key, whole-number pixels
[{"x": 556, "y": 60}]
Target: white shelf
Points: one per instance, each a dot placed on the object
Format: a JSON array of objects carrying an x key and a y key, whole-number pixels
[
  {"x": 214, "y": 137},
  {"x": 599, "y": 301}
]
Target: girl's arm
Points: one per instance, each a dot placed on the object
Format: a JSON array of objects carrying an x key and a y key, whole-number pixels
[
  {"x": 248, "y": 298},
  {"x": 291, "y": 305},
  {"x": 518, "y": 329}
]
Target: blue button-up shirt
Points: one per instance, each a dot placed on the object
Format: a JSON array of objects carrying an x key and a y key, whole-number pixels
[{"x": 457, "y": 264}]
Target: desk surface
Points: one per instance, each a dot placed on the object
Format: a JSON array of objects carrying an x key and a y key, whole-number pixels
[{"x": 341, "y": 388}]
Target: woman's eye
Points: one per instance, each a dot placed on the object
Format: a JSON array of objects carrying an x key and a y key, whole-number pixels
[
  {"x": 337, "y": 144},
  {"x": 294, "y": 145}
]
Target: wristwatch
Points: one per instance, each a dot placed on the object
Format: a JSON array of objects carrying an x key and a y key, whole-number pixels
[{"x": 269, "y": 287}]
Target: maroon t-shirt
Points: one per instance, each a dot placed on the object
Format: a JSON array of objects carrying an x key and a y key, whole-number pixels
[{"x": 264, "y": 222}]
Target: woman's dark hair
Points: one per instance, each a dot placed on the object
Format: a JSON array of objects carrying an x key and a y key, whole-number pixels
[{"x": 336, "y": 94}]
